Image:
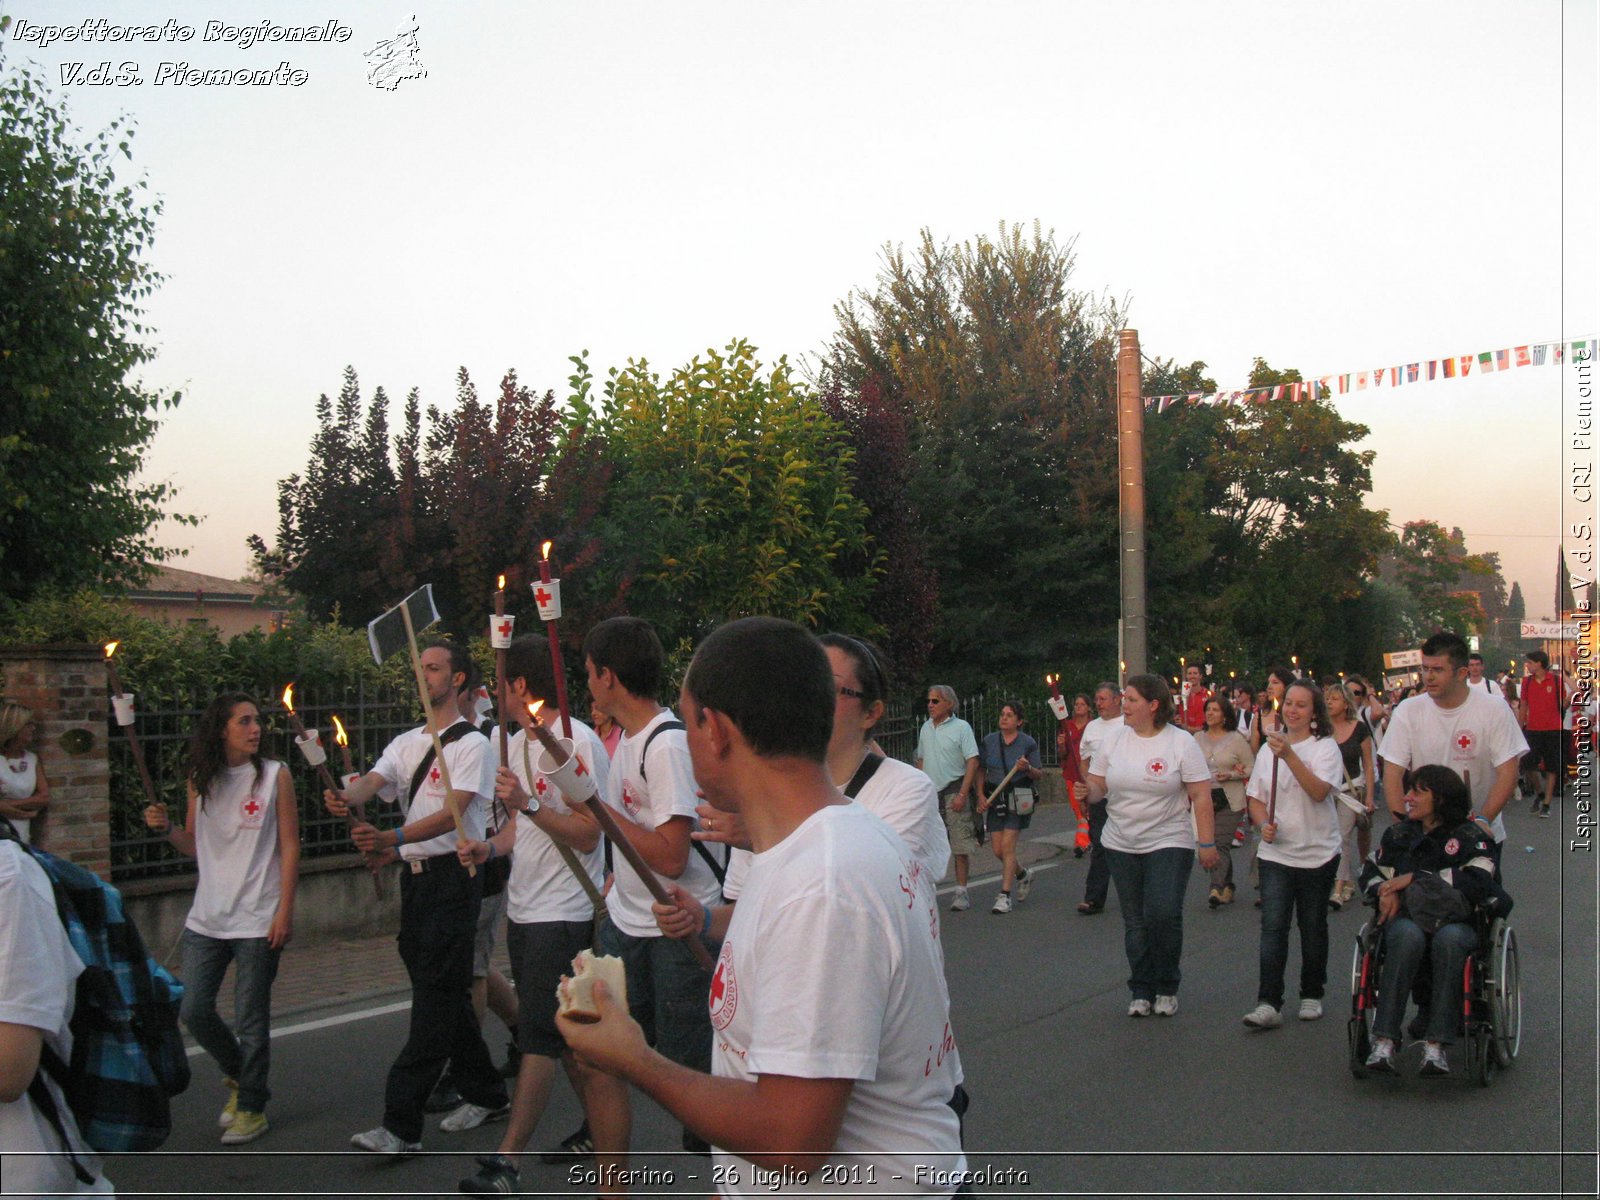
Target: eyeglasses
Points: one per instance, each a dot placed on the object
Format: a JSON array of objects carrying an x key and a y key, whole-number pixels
[
  {"x": 1358, "y": 693},
  {"x": 851, "y": 692},
  {"x": 935, "y": 700}
]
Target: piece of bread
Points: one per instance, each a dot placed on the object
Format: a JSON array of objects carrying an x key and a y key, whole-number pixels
[{"x": 576, "y": 995}]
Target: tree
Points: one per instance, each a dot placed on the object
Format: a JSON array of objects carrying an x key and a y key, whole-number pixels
[
  {"x": 466, "y": 496},
  {"x": 74, "y": 277},
  {"x": 1259, "y": 534},
  {"x": 1005, "y": 375},
  {"x": 731, "y": 497},
  {"x": 1433, "y": 565}
]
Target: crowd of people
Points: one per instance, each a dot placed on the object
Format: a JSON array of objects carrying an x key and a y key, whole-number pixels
[{"x": 759, "y": 832}]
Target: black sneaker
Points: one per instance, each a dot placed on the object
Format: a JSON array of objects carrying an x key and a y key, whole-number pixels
[
  {"x": 496, "y": 1177},
  {"x": 444, "y": 1098},
  {"x": 575, "y": 1147}
]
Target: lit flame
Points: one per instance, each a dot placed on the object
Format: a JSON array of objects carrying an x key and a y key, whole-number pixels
[
  {"x": 111, "y": 648},
  {"x": 339, "y": 734},
  {"x": 1294, "y": 660},
  {"x": 500, "y": 583},
  {"x": 544, "y": 551},
  {"x": 288, "y": 697},
  {"x": 533, "y": 708}
]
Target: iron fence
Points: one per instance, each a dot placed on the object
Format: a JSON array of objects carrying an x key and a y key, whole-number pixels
[
  {"x": 372, "y": 717},
  {"x": 897, "y": 732}
]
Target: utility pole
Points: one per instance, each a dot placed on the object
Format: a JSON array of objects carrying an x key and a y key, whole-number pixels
[{"x": 1130, "y": 501}]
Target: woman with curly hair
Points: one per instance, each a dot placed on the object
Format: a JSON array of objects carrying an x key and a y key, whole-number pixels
[{"x": 243, "y": 827}]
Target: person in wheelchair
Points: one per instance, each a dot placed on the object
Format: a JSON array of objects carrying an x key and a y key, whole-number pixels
[{"x": 1425, "y": 879}]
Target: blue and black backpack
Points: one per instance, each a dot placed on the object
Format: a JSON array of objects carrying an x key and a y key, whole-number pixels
[{"x": 128, "y": 1059}]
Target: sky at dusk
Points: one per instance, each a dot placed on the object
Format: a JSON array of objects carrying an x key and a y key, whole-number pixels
[{"x": 1335, "y": 188}]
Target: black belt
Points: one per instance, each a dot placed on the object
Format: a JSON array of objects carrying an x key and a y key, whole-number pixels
[{"x": 433, "y": 862}]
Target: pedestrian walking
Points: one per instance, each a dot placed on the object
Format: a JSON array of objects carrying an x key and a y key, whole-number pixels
[
  {"x": 1097, "y": 883},
  {"x": 1229, "y": 757},
  {"x": 948, "y": 752},
  {"x": 1010, "y": 760},
  {"x": 24, "y": 790},
  {"x": 242, "y": 827}
]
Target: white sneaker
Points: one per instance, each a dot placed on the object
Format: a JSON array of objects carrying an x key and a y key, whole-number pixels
[
  {"x": 470, "y": 1116},
  {"x": 962, "y": 902},
  {"x": 1139, "y": 1008},
  {"x": 1433, "y": 1060},
  {"x": 1002, "y": 904},
  {"x": 1263, "y": 1016},
  {"x": 1311, "y": 1010},
  {"x": 1382, "y": 1056},
  {"x": 381, "y": 1141},
  {"x": 1166, "y": 1006},
  {"x": 1024, "y": 885}
]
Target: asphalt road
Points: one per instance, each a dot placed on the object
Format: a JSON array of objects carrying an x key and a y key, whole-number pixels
[{"x": 1070, "y": 1096}]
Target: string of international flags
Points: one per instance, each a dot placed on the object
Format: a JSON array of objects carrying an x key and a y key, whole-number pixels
[{"x": 1456, "y": 366}]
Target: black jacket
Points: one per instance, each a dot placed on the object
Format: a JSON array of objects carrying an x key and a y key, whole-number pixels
[{"x": 1460, "y": 856}]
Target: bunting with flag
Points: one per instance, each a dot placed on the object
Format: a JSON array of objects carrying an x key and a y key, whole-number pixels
[{"x": 1426, "y": 371}]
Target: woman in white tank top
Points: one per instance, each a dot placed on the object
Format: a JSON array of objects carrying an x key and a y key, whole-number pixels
[{"x": 243, "y": 827}]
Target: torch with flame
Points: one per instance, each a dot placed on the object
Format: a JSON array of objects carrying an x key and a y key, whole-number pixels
[{"x": 555, "y": 643}]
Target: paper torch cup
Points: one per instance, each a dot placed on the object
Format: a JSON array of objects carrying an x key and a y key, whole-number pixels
[
  {"x": 122, "y": 706},
  {"x": 311, "y": 746},
  {"x": 1058, "y": 705},
  {"x": 500, "y": 630},
  {"x": 548, "y": 597},
  {"x": 573, "y": 777},
  {"x": 348, "y": 781}
]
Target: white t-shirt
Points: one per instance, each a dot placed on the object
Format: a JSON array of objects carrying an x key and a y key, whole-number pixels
[
  {"x": 832, "y": 969},
  {"x": 1094, "y": 736},
  {"x": 236, "y": 845},
  {"x": 1308, "y": 831},
  {"x": 1147, "y": 807},
  {"x": 663, "y": 789},
  {"x": 905, "y": 799},
  {"x": 18, "y": 779},
  {"x": 1477, "y": 735},
  {"x": 37, "y": 970},
  {"x": 470, "y": 762},
  {"x": 542, "y": 887}
]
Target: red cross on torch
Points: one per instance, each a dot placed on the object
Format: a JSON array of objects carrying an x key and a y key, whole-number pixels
[
  {"x": 501, "y": 685},
  {"x": 543, "y": 598}
]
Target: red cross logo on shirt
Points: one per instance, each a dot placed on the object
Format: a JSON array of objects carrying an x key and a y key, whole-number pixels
[
  {"x": 433, "y": 775},
  {"x": 717, "y": 986},
  {"x": 1466, "y": 743},
  {"x": 252, "y": 807},
  {"x": 504, "y": 629},
  {"x": 541, "y": 597},
  {"x": 1157, "y": 767}
]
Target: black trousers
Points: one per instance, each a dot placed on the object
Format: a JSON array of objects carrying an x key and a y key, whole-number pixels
[
  {"x": 438, "y": 923},
  {"x": 1098, "y": 884}
]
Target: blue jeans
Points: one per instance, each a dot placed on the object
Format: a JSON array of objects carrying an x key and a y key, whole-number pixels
[
  {"x": 243, "y": 1052},
  {"x": 1405, "y": 947},
  {"x": 1150, "y": 891},
  {"x": 1300, "y": 892}
]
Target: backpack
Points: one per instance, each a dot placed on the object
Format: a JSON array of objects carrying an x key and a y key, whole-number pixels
[
  {"x": 718, "y": 869},
  {"x": 128, "y": 1058}
]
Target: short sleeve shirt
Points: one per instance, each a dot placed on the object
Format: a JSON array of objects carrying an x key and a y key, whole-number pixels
[
  {"x": 1147, "y": 804},
  {"x": 944, "y": 749},
  {"x": 470, "y": 762},
  {"x": 1476, "y": 736}
]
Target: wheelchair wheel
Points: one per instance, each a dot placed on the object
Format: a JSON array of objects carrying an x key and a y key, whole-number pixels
[
  {"x": 1504, "y": 984},
  {"x": 1363, "y": 1002}
]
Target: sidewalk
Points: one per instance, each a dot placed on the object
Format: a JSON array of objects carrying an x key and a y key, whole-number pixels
[{"x": 321, "y": 975}]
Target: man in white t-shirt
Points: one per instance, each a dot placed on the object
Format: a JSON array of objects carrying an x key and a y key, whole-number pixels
[
  {"x": 653, "y": 794},
  {"x": 1108, "y": 704},
  {"x": 438, "y": 902},
  {"x": 1477, "y": 681},
  {"x": 1470, "y": 732},
  {"x": 38, "y": 971},
  {"x": 550, "y": 906},
  {"x": 835, "y": 1067}
]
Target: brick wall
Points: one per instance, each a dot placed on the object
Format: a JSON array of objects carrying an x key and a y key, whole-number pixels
[{"x": 65, "y": 685}]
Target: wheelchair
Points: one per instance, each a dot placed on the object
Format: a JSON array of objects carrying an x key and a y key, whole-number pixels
[{"x": 1491, "y": 995}]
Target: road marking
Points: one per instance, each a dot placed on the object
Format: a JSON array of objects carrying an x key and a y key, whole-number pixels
[{"x": 382, "y": 1010}]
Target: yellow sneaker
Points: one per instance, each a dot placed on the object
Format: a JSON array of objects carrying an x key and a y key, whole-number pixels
[
  {"x": 247, "y": 1127},
  {"x": 231, "y": 1109}
]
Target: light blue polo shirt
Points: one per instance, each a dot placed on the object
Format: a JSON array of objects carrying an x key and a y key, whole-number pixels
[{"x": 944, "y": 749}]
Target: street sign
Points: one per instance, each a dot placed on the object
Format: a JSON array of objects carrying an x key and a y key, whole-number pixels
[
  {"x": 1550, "y": 631},
  {"x": 1402, "y": 658}
]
